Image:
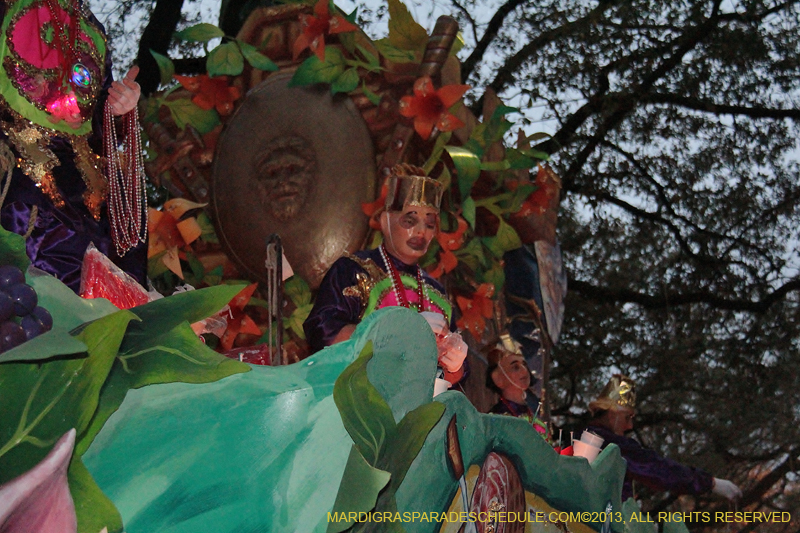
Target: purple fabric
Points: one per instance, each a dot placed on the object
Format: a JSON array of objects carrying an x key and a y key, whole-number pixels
[
  {"x": 61, "y": 235},
  {"x": 517, "y": 409},
  {"x": 653, "y": 470},
  {"x": 332, "y": 310}
]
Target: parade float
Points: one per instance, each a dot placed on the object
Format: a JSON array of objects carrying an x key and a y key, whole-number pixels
[{"x": 127, "y": 419}]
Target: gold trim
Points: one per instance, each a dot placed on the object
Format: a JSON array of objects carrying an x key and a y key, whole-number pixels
[
  {"x": 37, "y": 160},
  {"x": 361, "y": 290},
  {"x": 372, "y": 269},
  {"x": 89, "y": 165}
]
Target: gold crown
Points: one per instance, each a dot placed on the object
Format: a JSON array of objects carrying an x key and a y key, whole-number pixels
[
  {"x": 409, "y": 186},
  {"x": 509, "y": 345},
  {"x": 503, "y": 347},
  {"x": 619, "y": 391}
]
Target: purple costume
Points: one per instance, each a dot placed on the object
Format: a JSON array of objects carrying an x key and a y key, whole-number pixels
[
  {"x": 356, "y": 285},
  {"x": 60, "y": 235},
  {"x": 507, "y": 407},
  {"x": 651, "y": 469}
]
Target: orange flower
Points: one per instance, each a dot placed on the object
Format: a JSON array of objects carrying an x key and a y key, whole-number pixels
[
  {"x": 370, "y": 209},
  {"x": 539, "y": 200},
  {"x": 447, "y": 262},
  {"x": 210, "y": 93},
  {"x": 169, "y": 230},
  {"x": 475, "y": 310},
  {"x": 447, "y": 243},
  {"x": 239, "y": 322},
  {"x": 315, "y": 28},
  {"x": 430, "y": 107}
]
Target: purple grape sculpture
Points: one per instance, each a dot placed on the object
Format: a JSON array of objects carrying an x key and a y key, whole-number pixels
[{"x": 21, "y": 318}]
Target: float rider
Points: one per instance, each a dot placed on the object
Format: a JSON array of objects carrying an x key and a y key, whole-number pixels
[{"x": 358, "y": 284}]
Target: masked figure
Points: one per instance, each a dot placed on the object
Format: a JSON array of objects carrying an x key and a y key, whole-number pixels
[
  {"x": 508, "y": 375},
  {"x": 612, "y": 417},
  {"x": 358, "y": 284},
  {"x": 55, "y": 95}
]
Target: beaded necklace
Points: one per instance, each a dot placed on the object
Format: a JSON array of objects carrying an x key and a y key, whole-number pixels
[
  {"x": 512, "y": 408},
  {"x": 400, "y": 295},
  {"x": 127, "y": 210}
]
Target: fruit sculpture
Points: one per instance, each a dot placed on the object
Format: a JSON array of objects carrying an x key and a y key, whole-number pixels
[{"x": 21, "y": 319}]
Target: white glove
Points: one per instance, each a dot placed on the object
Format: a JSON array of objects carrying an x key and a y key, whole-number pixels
[
  {"x": 726, "y": 489},
  {"x": 452, "y": 352},
  {"x": 437, "y": 323}
]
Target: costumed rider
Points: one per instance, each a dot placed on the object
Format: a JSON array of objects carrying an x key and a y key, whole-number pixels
[
  {"x": 509, "y": 376},
  {"x": 358, "y": 284},
  {"x": 58, "y": 111},
  {"x": 612, "y": 416}
]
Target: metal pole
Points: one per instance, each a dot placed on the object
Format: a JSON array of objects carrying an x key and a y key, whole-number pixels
[{"x": 274, "y": 267}]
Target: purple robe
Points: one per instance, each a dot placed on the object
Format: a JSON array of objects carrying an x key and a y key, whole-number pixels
[
  {"x": 333, "y": 310},
  {"x": 653, "y": 470}
]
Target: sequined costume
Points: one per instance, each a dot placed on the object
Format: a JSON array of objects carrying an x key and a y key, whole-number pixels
[
  {"x": 57, "y": 189},
  {"x": 653, "y": 470},
  {"x": 356, "y": 285}
]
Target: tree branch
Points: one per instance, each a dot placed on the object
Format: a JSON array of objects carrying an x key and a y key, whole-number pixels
[
  {"x": 488, "y": 36},
  {"x": 720, "y": 109},
  {"x": 506, "y": 73},
  {"x": 466, "y": 13},
  {"x": 623, "y": 106},
  {"x": 754, "y": 494},
  {"x": 745, "y": 17},
  {"x": 665, "y": 301},
  {"x": 157, "y": 36}
]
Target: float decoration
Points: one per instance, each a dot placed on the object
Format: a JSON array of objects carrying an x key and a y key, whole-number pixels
[
  {"x": 111, "y": 351},
  {"x": 392, "y": 83},
  {"x": 385, "y": 446},
  {"x": 290, "y": 440}
]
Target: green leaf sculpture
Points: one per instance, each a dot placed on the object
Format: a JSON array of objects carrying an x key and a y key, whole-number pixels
[
  {"x": 256, "y": 58},
  {"x": 225, "y": 60},
  {"x": 312, "y": 70},
  {"x": 200, "y": 33},
  {"x": 45, "y": 394},
  {"x": 393, "y": 53},
  {"x": 369, "y": 482},
  {"x": 12, "y": 249},
  {"x": 185, "y": 112},
  {"x": 346, "y": 82},
  {"x": 468, "y": 167},
  {"x": 365, "y": 414},
  {"x": 166, "y": 67},
  {"x": 386, "y": 448},
  {"x": 405, "y": 32},
  {"x": 41, "y": 402}
]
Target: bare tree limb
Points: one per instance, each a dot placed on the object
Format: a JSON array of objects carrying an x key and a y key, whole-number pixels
[
  {"x": 721, "y": 109},
  {"x": 623, "y": 106},
  {"x": 757, "y": 491},
  {"x": 157, "y": 36},
  {"x": 506, "y": 74},
  {"x": 488, "y": 36},
  {"x": 470, "y": 18},
  {"x": 665, "y": 301}
]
